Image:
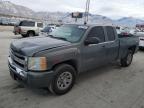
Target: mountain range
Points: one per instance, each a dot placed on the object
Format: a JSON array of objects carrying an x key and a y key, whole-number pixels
[{"x": 7, "y": 7}]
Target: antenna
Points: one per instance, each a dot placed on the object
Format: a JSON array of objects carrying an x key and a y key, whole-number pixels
[{"x": 87, "y": 11}]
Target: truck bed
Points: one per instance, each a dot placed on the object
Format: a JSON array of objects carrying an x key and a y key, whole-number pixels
[{"x": 127, "y": 42}]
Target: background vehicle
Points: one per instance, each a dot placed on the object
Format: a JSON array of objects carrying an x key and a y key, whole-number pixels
[
  {"x": 13, "y": 22},
  {"x": 140, "y": 34},
  {"x": 28, "y": 28},
  {"x": 46, "y": 30},
  {"x": 141, "y": 42},
  {"x": 55, "y": 61},
  {"x": 125, "y": 30},
  {"x": 5, "y": 22}
]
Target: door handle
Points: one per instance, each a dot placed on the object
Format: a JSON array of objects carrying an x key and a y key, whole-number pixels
[{"x": 103, "y": 46}]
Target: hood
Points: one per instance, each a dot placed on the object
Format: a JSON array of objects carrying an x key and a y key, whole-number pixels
[{"x": 29, "y": 46}]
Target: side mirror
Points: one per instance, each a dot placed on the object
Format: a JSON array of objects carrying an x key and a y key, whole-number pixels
[{"x": 92, "y": 40}]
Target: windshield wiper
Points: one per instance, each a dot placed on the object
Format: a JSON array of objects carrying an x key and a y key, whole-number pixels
[{"x": 61, "y": 38}]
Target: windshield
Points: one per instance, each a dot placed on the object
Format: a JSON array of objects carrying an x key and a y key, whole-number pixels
[
  {"x": 46, "y": 29},
  {"x": 71, "y": 33}
]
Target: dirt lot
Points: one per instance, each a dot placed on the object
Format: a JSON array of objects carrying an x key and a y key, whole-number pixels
[
  {"x": 6, "y": 28},
  {"x": 108, "y": 87}
]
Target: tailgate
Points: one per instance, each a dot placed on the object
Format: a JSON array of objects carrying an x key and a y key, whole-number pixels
[{"x": 16, "y": 30}]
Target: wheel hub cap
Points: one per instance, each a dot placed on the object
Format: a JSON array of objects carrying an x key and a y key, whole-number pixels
[
  {"x": 129, "y": 58},
  {"x": 64, "y": 80}
]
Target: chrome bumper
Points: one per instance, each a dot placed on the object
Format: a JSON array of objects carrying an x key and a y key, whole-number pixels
[{"x": 16, "y": 69}]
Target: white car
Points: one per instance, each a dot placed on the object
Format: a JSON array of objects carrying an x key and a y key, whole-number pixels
[
  {"x": 141, "y": 42},
  {"x": 141, "y": 39}
]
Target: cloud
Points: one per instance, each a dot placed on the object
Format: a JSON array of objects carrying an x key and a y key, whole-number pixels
[
  {"x": 116, "y": 9},
  {"x": 72, "y": 9},
  {"x": 111, "y": 8}
]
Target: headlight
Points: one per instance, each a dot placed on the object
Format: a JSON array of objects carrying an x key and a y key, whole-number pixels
[{"x": 37, "y": 63}]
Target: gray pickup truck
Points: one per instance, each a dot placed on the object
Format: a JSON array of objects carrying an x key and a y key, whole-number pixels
[{"x": 54, "y": 61}]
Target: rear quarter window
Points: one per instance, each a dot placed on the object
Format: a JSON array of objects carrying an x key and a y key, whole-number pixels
[{"x": 40, "y": 25}]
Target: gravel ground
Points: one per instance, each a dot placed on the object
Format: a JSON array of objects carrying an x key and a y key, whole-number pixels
[
  {"x": 6, "y": 28},
  {"x": 106, "y": 87}
]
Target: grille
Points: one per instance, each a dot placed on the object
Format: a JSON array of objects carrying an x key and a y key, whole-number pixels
[{"x": 17, "y": 59}]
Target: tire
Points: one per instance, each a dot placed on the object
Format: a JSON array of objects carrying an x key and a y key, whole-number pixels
[
  {"x": 125, "y": 62},
  {"x": 30, "y": 34},
  {"x": 141, "y": 48},
  {"x": 24, "y": 36},
  {"x": 64, "y": 79}
]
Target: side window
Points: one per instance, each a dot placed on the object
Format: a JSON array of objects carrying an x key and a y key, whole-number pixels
[
  {"x": 31, "y": 24},
  {"x": 97, "y": 32},
  {"x": 22, "y": 23},
  {"x": 40, "y": 24},
  {"x": 27, "y": 23},
  {"x": 110, "y": 33}
]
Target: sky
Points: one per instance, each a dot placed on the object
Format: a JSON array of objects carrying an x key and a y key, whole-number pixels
[{"x": 111, "y": 8}]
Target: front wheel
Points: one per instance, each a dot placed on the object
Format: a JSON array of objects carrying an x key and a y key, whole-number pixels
[
  {"x": 128, "y": 59},
  {"x": 64, "y": 79}
]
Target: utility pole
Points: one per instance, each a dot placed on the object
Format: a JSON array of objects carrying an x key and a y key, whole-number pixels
[{"x": 87, "y": 11}]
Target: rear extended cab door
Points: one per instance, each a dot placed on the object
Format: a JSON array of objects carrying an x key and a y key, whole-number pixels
[{"x": 111, "y": 44}]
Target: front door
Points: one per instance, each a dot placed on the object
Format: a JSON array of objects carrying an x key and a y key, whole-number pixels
[{"x": 93, "y": 55}]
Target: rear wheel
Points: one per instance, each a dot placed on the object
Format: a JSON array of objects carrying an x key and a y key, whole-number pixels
[
  {"x": 128, "y": 59},
  {"x": 64, "y": 80},
  {"x": 30, "y": 34}
]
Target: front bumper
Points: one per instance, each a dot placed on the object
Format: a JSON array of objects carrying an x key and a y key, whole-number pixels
[{"x": 32, "y": 79}]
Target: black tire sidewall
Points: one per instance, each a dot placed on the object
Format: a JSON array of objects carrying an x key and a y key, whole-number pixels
[
  {"x": 131, "y": 57},
  {"x": 30, "y": 32},
  {"x": 124, "y": 60},
  {"x": 59, "y": 70},
  {"x": 24, "y": 36}
]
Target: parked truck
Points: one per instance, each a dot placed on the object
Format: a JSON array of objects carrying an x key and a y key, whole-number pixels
[
  {"x": 56, "y": 60},
  {"x": 28, "y": 28}
]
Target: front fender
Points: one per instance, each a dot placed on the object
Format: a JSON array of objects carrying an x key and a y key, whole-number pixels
[{"x": 58, "y": 56}]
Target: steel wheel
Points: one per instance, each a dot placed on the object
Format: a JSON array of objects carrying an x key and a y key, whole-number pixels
[
  {"x": 64, "y": 80},
  {"x": 129, "y": 58}
]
